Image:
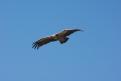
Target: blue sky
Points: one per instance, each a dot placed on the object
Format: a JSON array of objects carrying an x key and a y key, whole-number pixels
[{"x": 93, "y": 55}]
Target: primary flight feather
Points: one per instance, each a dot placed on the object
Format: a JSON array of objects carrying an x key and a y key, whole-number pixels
[{"x": 62, "y": 37}]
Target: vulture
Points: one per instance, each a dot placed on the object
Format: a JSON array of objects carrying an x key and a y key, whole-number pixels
[{"x": 62, "y": 37}]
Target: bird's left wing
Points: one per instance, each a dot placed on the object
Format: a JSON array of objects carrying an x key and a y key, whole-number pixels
[{"x": 43, "y": 41}]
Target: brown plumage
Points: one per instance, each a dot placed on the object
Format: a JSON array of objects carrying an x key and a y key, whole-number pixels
[{"x": 61, "y": 37}]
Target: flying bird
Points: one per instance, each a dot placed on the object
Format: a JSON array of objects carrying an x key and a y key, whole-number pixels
[{"x": 62, "y": 37}]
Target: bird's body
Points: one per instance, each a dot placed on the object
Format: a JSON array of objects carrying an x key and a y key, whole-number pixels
[{"x": 62, "y": 37}]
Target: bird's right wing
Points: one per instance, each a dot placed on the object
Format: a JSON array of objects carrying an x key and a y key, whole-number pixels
[
  {"x": 42, "y": 42},
  {"x": 68, "y": 32}
]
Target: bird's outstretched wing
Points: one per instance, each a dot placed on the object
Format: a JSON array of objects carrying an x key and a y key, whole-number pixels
[
  {"x": 68, "y": 32},
  {"x": 42, "y": 42}
]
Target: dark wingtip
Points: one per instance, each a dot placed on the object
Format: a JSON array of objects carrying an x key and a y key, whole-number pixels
[
  {"x": 80, "y": 30},
  {"x": 35, "y": 45}
]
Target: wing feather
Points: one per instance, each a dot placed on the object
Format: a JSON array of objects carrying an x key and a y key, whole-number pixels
[
  {"x": 68, "y": 32},
  {"x": 42, "y": 42}
]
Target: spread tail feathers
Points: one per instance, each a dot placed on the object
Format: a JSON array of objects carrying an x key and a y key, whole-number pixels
[{"x": 63, "y": 40}]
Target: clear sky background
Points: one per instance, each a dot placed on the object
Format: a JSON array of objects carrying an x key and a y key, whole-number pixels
[{"x": 93, "y": 55}]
